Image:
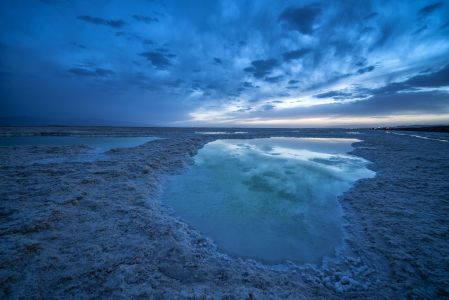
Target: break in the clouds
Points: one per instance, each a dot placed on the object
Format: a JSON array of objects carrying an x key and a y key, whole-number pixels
[{"x": 225, "y": 63}]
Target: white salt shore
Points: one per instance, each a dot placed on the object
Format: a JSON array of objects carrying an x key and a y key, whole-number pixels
[{"x": 97, "y": 228}]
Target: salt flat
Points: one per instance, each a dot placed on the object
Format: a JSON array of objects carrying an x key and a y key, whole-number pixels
[{"x": 98, "y": 228}]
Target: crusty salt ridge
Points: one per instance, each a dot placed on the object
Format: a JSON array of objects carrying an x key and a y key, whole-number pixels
[{"x": 97, "y": 229}]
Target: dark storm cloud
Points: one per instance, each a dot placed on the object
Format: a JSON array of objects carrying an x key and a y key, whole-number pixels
[
  {"x": 378, "y": 105},
  {"x": 358, "y": 93},
  {"x": 245, "y": 109},
  {"x": 436, "y": 79},
  {"x": 145, "y": 19},
  {"x": 97, "y": 72},
  {"x": 365, "y": 70},
  {"x": 101, "y": 21},
  {"x": 247, "y": 84},
  {"x": 78, "y": 45},
  {"x": 388, "y": 104},
  {"x": 371, "y": 15},
  {"x": 430, "y": 8},
  {"x": 295, "y": 54},
  {"x": 410, "y": 87},
  {"x": 335, "y": 95},
  {"x": 361, "y": 62},
  {"x": 422, "y": 102},
  {"x": 301, "y": 19},
  {"x": 159, "y": 58},
  {"x": 261, "y": 68},
  {"x": 274, "y": 79}
]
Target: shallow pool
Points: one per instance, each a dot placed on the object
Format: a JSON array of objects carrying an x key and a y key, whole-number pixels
[{"x": 272, "y": 199}]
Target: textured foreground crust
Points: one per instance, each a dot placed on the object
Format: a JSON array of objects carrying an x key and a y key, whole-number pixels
[{"x": 97, "y": 229}]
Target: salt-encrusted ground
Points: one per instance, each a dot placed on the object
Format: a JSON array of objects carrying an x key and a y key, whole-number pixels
[{"x": 96, "y": 229}]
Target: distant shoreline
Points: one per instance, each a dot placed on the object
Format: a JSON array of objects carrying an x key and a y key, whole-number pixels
[
  {"x": 422, "y": 128},
  {"x": 442, "y": 128}
]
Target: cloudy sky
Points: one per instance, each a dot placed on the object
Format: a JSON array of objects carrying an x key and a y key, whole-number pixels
[{"x": 224, "y": 63}]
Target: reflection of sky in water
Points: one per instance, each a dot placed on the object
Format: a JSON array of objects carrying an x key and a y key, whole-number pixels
[
  {"x": 221, "y": 132},
  {"x": 98, "y": 145},
  {"x": 271, "y": 199}
]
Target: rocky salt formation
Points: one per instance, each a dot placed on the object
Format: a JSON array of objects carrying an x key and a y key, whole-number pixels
[{"x": 97, "y": 229}]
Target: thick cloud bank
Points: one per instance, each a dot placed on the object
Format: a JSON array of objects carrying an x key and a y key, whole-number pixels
[{"x": 251, "y": 63}]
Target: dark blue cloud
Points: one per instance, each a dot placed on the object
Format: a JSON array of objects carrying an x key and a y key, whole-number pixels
[
  {"x": 402, "y": 103},
  {"x": 97, "y": 72},
  {"x": 145, "y": 19},
  {"x": 101, "y": 21},
  {"x": 409, "y": 87},
  {"x": 430, "y": 8},
  {"x": 274, "y": 79},
  {"x": 365, "y": 70},
  {"x": 261, "y": 68},
  {"x": 336, "y": 95},
  {"x": 436, "y": 79},
  {"x": 371, "y": 15},
  {"x": 159, "y": 58},
  {"x": 302, "y": 18},
  {"x": 295, "y": 54},
  {"x": 78, "y": 45},
  {"x": 247, "y": 84}
]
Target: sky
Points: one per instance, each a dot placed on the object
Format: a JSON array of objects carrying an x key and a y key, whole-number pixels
[{"x": 229, "y": 63}]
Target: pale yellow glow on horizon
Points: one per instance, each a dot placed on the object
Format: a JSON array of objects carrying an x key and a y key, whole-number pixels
[{"x": 337, "y": 121}]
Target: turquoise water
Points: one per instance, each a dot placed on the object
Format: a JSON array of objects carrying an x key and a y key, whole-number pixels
[
  {"x": 103, "y": 143},
  {"x": 271, "y": 199}
]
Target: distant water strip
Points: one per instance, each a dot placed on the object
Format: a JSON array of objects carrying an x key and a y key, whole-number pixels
[
  {"x": 97, "y": 146},
  {"x": 104, "y": 143},
  {"x": 221, "y": 132},
  {"x": 421, "y": 137}
]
